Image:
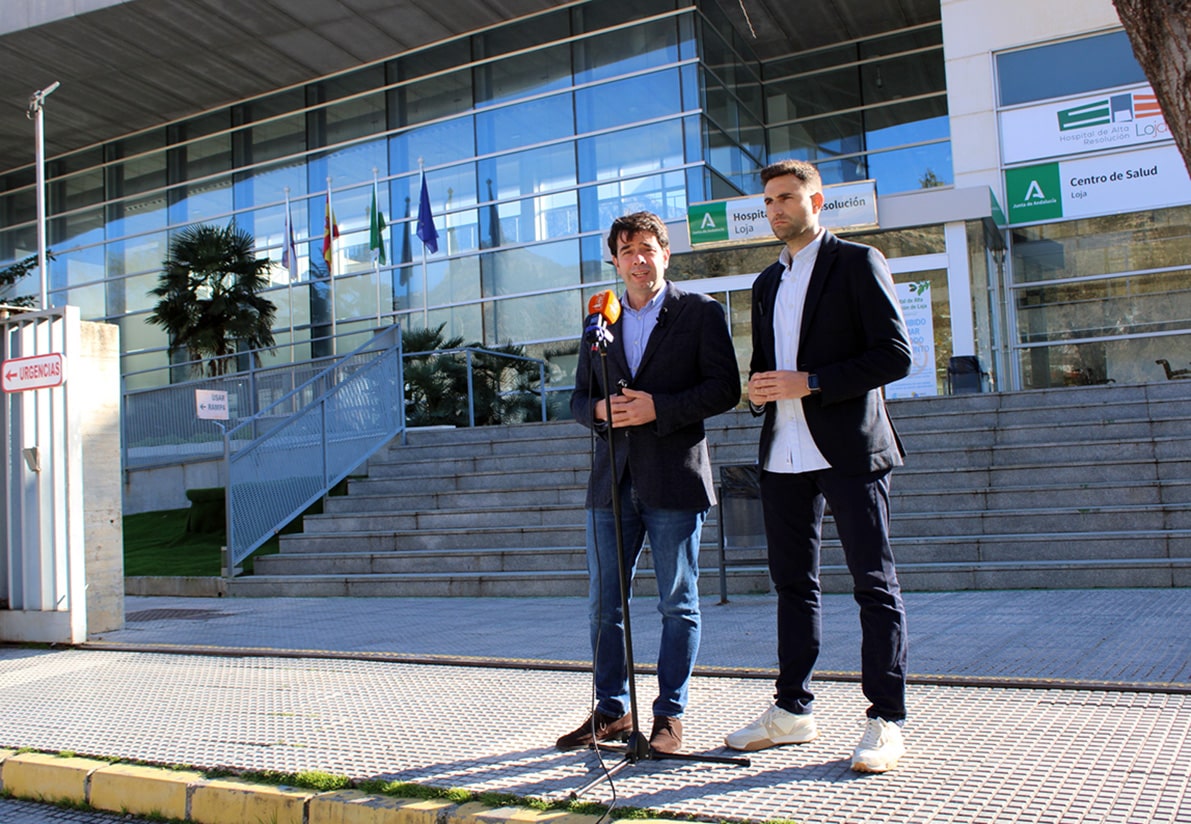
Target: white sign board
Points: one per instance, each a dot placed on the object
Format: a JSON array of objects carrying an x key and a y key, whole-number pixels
[
  {"x": 921, "y": 382},
  {"x": 36, "y": 372},
  {"x": 1106, "y": 184},
  {"x": 1108, "y": 120},
  {"x": 743, "y": 220},
  {"x": 211, "y": 404}
]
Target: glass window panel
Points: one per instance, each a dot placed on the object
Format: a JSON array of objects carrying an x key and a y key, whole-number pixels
[
  {"x": 78, "y": 229},
  {"x": 78, "y": 266},
  {"x": 355, "y": 163},
  {"x": 269, "y": 185},
  {"x": 628, "y": 101},
  {"x": 1133, "y": 360},
  {"x": 136, "y": 290},
  {"x": 203, "y": 202},
  {"x": 137, "y": 215},
  {"x": 435, "y": 59},
  {"x": 1103, "y": 245},
  {"x": 1067, "y": 68},
  {"x": 907, "y": 170},
  {"x": 819, "y": 139},
  {"x": 451, "y": 281},
  {"x": 664, "y": 195},
  {"x": 632, "y": 151},
  {"x": 530, "y": 269},
  {"x": 914, "y": 122},
  {"x": 523, "y": 75},
  {"x": 274, "y": 139},
  {"x": 805, "y": 97},
  {"x": 537, "y": 170},
  {"x": 466, "y": 322},
  {"x": 75, "y": 192},
  {"x": 1159, "y": 302},
  {"x": 901, "y": 77},
  {"x": 355, "y": 118},
  {"x": 435, "y": 144},
  {"x": 646, "y": 46},
  {"x": 432, "y": 98},
  {"x": 523, "y": 124},
  {"x": 530, "y": 219},
  {"x": 140, "y": 172},
  {"x": 538, "y": 317},
  {"x": 89, "y": 299},
  {"x": 17, "y": 244}
]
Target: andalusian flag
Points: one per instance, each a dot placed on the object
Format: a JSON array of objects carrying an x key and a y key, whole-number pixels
[{"x": 376, "y": 230}]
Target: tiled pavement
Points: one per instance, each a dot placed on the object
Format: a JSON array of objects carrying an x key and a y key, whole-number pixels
[{"x": 1034, "y": 706}]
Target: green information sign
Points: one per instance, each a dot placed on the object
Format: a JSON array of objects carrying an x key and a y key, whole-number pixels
[
  {"x": 708, "y": 222},
  {"x": 1034, "y": 193}
]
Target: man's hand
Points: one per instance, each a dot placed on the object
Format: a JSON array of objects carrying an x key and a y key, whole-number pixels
[
  {"x": 630, "y": 408},
  {"x": 778, "y": 385}
]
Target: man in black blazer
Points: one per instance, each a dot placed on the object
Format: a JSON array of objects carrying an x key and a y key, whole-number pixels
[
  {"x": 828, "y": 334},
  {"x": 670, "y": 365}
]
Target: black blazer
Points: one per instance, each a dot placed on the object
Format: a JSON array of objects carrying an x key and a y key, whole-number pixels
[
  {"x": 689, "y": 367},
  {"x": 854, "y": 338}
]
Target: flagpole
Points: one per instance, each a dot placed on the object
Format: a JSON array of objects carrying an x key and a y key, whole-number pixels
[
  {"x": 425, "y": 277},
  {"x": 330, "y": 229},
  {"x": 289, "y": 256},
  {"x": 375, "y": 219}
]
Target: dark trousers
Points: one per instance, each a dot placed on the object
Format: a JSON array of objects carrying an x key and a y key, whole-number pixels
[{"x": 793, "y": 505}]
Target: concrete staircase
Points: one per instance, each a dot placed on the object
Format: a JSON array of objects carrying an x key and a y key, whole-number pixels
[{"x": 1075, "y": 487}]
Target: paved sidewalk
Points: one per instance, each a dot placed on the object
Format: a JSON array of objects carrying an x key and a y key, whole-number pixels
[{"x": 1034, "y": 706}]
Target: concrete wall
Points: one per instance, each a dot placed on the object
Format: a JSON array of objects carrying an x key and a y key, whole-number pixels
[
  {"x": 164, "y": 487},
  {"x": 99, "y": 372},
  {"x": 973, "y": 30}
]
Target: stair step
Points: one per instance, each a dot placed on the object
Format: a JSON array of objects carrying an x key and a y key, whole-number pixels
[{"x": 1077, "y": 486}]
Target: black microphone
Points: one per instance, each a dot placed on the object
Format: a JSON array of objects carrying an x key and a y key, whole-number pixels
[{"x": 662, "y": 317}]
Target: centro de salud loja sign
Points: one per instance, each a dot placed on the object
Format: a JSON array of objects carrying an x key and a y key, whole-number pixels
[
  {"x": 34, "y": 372},
  {"x": 743, "y": 220}
]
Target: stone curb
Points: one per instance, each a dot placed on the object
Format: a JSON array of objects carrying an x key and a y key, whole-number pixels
[{"x": 185, "y": 795}]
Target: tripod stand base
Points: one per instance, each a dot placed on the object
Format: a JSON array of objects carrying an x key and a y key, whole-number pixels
[{"x": 633, "y": 752}]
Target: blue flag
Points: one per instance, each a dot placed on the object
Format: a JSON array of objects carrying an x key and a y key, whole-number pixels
[{"x": 426, "y": 231}]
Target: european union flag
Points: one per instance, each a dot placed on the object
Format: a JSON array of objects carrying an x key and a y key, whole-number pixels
[{"x": 426, "y": 231}]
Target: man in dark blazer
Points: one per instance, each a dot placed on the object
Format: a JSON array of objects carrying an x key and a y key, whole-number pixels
[
  {"x": 828, "y": 334},
  {"x": 670, "y": 365}
]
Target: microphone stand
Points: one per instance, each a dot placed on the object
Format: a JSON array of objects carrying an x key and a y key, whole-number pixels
[{"x": 637, "y": 747}]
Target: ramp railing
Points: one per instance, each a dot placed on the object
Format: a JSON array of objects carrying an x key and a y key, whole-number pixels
[{"x": 347, "y": 412}]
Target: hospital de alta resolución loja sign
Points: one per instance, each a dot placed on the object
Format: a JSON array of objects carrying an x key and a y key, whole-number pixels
[{"x": 742, "y": 219}]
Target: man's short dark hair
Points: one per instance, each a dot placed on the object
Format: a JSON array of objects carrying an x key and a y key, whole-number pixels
[
  {"x": 802, "y": 170},
  {"x": 629, "y": 225}
]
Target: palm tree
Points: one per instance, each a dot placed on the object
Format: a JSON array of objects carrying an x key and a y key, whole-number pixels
[
  {"x": 436, "y": 392},
  {"x": 209, "y": 295}
]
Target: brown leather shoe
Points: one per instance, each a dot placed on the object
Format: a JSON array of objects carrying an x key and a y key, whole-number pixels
[
  {"x": 666, "y": 737},
  {"x": 607, "y": 728}
]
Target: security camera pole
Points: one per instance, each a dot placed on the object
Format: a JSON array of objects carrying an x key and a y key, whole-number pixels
[{"x": 36, "y": 104}]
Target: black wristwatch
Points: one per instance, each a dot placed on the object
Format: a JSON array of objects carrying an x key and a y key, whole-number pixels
[{"x": 812, "y": 383}]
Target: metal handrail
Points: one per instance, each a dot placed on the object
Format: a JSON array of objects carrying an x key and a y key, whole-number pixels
[{"x": 356, "y": 410}]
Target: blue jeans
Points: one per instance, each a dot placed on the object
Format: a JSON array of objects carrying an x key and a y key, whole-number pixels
[{"x": 674, "y": 544}]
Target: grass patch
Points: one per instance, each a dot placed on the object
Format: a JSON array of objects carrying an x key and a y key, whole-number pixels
[{"x": 157, "y": 543}]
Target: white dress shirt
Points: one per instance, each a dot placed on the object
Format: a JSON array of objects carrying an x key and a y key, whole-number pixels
[{"x": 793, "y": 449}]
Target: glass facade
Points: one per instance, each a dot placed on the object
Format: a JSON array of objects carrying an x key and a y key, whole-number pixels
[
  {"x": 532, "y": 136},
  {"x": 1102, "y": 299}
]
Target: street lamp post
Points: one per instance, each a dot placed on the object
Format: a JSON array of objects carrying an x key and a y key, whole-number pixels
[{"x": 35, "y": 113}]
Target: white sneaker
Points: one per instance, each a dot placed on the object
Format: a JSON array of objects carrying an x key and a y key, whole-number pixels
[
  {"x": 774, "y": 728},
  {"x": 879, "y": 748}
]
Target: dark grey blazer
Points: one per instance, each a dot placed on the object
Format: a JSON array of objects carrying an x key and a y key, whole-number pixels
[
  {"x": 854, "y": 338},
  {"x": 689, "y": 367}
]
